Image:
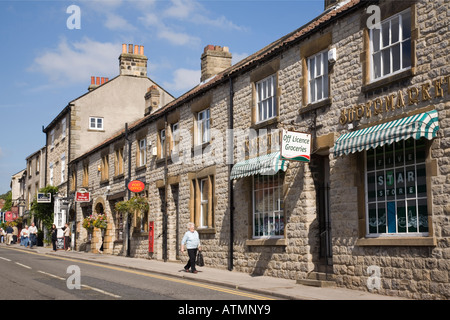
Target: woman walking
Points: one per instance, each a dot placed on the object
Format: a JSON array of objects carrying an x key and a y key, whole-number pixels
[
  {"x": 54, "y": 236},
  {"x": 192, "y": 242}
]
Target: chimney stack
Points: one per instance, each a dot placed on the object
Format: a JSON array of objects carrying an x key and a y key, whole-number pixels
[
  {"x": 133, "y": 62},
  {"x": 151, "y": 99},
  {"x": 215, "y": 59},
  {"x": 97, "y": 81}
]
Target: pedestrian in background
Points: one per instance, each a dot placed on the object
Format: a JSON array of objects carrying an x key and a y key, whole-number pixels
[
  {"x": 25, "y": 236},
  {"x": 54, "y": 236},
  {"x": 32, "y": 235},
  {"x": 192, "y": 242},
  {"x": 9, "y": 235},
  {"x": 66, "y": 237},
  {"x": 15, "y": 234}
]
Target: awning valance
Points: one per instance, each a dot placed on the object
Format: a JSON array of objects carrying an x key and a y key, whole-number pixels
[
  {"x": 420, "y": 125},
  {"x": 268, "y": 164}
]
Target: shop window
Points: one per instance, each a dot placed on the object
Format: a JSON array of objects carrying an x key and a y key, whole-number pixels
[
  {"x": 391, "y": 46},
  {"x": 318, "y": 77},
  {"x": 266, "y": 98},
  {"x": 268, "y": 206},
  {"x": 396, "y": 199}
]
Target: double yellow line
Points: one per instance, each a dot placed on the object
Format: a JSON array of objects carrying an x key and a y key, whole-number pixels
[{"x": 147, "y": 274}]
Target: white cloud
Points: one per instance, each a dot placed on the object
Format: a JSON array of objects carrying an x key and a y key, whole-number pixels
[
  {"x": 76, "y": 62},
  {"x": 116, "y": 22},
  {"x": 183, "y": 80},
  {"x": 238, "y": 57}
]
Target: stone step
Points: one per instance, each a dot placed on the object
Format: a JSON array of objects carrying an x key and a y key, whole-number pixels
[{"x": 318, "y": 279}]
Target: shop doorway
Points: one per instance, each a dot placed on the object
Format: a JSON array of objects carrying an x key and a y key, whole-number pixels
[{"x": 322, "y": 184}]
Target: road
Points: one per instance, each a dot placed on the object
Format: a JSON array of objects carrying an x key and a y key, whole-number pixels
[{"x": 28, "y": 275}]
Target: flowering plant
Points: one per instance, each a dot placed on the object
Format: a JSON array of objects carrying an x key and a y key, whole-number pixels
[
  {"x": 88, "y": 223},
  {"x": 101, "y": 221}
]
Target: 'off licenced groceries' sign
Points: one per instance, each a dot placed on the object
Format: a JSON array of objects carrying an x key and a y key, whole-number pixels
[{"x": 296, "y": 146}]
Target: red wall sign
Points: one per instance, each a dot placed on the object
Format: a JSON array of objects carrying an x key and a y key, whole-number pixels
[
  {"x": 136, "y": 186},
  {"x": 82, "y": 196}
]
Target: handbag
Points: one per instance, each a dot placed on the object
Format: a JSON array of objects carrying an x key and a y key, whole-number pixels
[{"x": 199, "y": 260}]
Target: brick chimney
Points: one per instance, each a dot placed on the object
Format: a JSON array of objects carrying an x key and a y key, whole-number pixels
[
  {"x": 132, "y": 61},
  {"x": 151, "y": 99},
  {"x": 214, "y": 59},
  {"x": 97, "y": 81}
]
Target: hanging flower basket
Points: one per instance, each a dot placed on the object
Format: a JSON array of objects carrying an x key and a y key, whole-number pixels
[
  {"x": 88, "y": 223},
  {"x": 101, "y": 222}
]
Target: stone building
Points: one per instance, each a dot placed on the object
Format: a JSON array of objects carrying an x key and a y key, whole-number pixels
[
  {"x": 370, "y": 82},
  {"x": 98, "y": 114},
  {"x": 35, "y": 179}
]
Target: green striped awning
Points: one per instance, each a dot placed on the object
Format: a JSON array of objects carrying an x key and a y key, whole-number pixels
[
  {"x": 268, "y": 164},
  {"x": 420, "y": 125}
]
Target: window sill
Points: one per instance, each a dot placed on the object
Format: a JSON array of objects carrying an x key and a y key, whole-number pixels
[
  {"x": 265, "y": 123},
  {"x": 118, "y": 177},
  {"x": 266, "y": 242},
  {"x": 315, "y": 105},
  {"x": 397, "y": 241},
  {"x": 376, "y": 84},
  {"x": 140, "y": 168},
  {"x": 206, "y": 230}
]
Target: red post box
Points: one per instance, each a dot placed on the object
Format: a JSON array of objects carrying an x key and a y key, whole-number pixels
[{"x": 151, "y": 235}]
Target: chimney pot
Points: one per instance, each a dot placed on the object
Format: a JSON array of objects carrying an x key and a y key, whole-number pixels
[
  {"x": 130, "y": 48},
  {"x": 98, "y": 80},
  {"x": 142, "y": 50},
  {"x": 103, "y": 80},
  {"x": 124, "y": 48},
  {"x": 92, "y": 80},
  {"x": 136, "y": 51}
]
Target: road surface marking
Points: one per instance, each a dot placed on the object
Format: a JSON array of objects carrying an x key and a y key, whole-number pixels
[
  {"x": 22, "y": 265},
  {"x": 5, "y": 259},
  {"x": 148, "y": 274}
]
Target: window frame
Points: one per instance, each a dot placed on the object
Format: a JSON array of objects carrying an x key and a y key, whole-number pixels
[
  {"x": 118, "y": 161},
  {"x": 175, "y": 128},
  {"x": 322, "y": 77},
  {"x": 419, "y": 200},
  {"x": 96, "y": 119},
  {"x": 142, "y": 145},
  {"x": 271, "y": 97},
  {"x": 279, "y": 212},
  {"x": 63, "y": 167},
  {"x": 400, "y": 41},
  {"x": 203, "y": 126}
]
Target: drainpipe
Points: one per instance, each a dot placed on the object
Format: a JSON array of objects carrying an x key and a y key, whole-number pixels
[
  {"x": 230, "y": 182},
  {"x": 127, "y": 226},
  {"x": 166, "y": 188}
]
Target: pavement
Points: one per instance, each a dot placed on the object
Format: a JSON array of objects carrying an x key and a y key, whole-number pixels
[{"x": 264, "y": 285}]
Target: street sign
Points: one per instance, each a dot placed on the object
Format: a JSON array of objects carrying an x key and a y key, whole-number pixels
[
  {"x": 136, "y": 186},
  {"x": 82, "y": 196},
  {"x": 296, "y": 146},
  {"x": 44, "y": 197}
]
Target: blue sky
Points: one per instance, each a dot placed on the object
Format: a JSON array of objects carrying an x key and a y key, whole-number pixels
[{"x": 45, "y": 64}]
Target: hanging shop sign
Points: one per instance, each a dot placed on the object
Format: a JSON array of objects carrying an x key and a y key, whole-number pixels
[
  {"x": 136, "y": 186},
  {"x": 82, "y": 196},
  {"x": 296, "y": 146},
  {"x": 44, "y": 198},
  {"x": 399, "y": 100}
]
